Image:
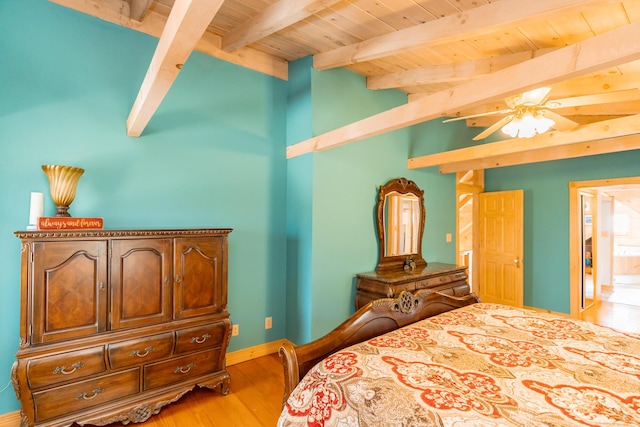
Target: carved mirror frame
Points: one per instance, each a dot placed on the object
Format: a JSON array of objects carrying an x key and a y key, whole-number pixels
[{"x": 406, "y": 261}]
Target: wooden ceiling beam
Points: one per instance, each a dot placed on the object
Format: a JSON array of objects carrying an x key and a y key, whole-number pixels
[
  {"x": 604, "y": 51},
  {"x": 601, "y": 82},
  {"x": 115, "y": 11},
  {"x": 139, "y": 9},
  {"x": 118, "y": 12},
  {"x": 569, "y": 151},
  {"x": 274, "y": 18},
  {"x": 582, "y": 141},
  {"x": 496, "y": 16},
  {"x": 447, "y": 73},
  {"x": 185, "y": 26}
]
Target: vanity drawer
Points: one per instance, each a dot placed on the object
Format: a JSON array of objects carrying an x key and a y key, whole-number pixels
[
  {"x": 84, "y": 394},
  {"x": 434, "y": 282},
  {"x": 181, "y": 368},
  {"x": 199, "y": 338},
  {"x": 133, "y": 352},
  {"x": 460, "y": 289},
  {"x": 453, "y": 289},
  {"x": 58, "y": 368},
  {"x": 436, "y": 277}
]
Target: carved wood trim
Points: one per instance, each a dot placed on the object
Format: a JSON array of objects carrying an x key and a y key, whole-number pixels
[{"x": 76, "y": 234}]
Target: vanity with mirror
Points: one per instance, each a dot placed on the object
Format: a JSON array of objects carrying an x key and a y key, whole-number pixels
[{"x": 400, "y": 218}]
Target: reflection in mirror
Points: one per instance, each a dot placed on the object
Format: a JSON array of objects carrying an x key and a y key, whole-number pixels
[{"x": 400, "y": 219}]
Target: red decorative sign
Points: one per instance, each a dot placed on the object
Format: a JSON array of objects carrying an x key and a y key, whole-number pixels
[{"x": 69, "y": 223}]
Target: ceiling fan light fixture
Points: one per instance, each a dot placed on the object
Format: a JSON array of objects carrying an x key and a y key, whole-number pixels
[
  {"x": 512, "y": 127},
  {"x": 526, "y": 125},
  {"x": 543, "y": 123}
]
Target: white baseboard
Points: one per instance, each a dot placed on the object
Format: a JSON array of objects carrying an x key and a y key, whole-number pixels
[{"x": 12, "y": 419}]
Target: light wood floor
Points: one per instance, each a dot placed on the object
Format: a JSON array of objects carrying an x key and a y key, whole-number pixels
[
  {"x": 254, "y": 400},
  {"x": 623, "y": 317}
]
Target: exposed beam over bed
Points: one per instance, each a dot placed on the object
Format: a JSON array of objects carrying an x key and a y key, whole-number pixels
[{"x": 610, "y": 49}]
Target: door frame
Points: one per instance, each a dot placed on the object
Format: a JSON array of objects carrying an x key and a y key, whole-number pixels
[{"x": 575, "y": 249}]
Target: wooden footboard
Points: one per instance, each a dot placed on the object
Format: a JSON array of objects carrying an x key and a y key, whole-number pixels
[{"x": 376, "y": 318}]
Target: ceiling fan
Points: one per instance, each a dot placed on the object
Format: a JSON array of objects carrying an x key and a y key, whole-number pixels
[{"x": 529, "y": 113}]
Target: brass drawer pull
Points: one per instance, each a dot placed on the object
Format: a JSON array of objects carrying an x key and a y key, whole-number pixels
[
  {"x": 142, "y": 353},
  {"x": 181, "y": 370},
  {"x": 85, "y": 395},
  {"x": 200, "y": 340},
  {"x": 63, "y": 369}
]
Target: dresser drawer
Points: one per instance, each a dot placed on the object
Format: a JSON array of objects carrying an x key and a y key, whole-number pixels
[
  {"x": 84, "y": 394},
  {"x": 48, "y": 370},
  {"x": 181, "y": 368},
  {"x": 199, "y": 338},
  {"x": 460, "y": 289},
  {"x": 143, "y": 350},
  {"x": 433, "y": 282}
]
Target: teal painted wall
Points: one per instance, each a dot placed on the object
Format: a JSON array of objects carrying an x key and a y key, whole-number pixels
[
  {"x": 340, "y": 193},
  {"x": 546, "y": 217},
  {"x": 212, "y": 155},
  {"x": 299, "y": 203}
]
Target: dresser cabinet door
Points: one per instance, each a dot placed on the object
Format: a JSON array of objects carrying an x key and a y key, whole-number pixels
[
  {"x": 199, "y": 272},
  {"x": 69, "y": 289},
  {"x": 140, "y": 282}
]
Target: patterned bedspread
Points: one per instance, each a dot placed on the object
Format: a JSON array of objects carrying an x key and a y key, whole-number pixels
[{"x": 481, "y": 365}]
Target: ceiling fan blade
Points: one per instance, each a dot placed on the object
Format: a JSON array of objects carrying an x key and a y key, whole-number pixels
[
  {"x": 528, "y": 98},
  {"x": 489, "y": 113},
  {"x": 494, "y": 127},
  {"x": 598, "y": 98},
  {"x": 561, "y": 122}
]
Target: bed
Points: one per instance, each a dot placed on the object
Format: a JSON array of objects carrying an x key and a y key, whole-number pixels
[{"x": 433, "y": 360}]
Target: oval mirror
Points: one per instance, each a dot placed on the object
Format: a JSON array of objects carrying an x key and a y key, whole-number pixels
[{"x": 400, "y": 220}]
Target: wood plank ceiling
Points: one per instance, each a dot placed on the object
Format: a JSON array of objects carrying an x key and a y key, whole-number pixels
[{"x": 451, "y": 57}]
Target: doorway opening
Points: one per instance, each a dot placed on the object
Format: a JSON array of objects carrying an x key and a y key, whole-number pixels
[
  {"x": 469, "y": 185},
  {"x": 604, "y": 244},
  {"x": 587, "y": 284}
]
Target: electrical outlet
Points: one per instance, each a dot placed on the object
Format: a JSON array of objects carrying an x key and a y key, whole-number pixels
[
  {"x": 267, "y": 323},
  {"x": 235, "y": 330},
  {"x": 448, "y": 237}
]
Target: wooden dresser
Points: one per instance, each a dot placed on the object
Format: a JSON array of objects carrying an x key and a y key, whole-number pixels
[
  {"x": 115, "y": 324},
  {"x": 446, "y": 278}
]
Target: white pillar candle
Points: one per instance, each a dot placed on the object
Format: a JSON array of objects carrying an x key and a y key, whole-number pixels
[{"x": 36, "y": 209}]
